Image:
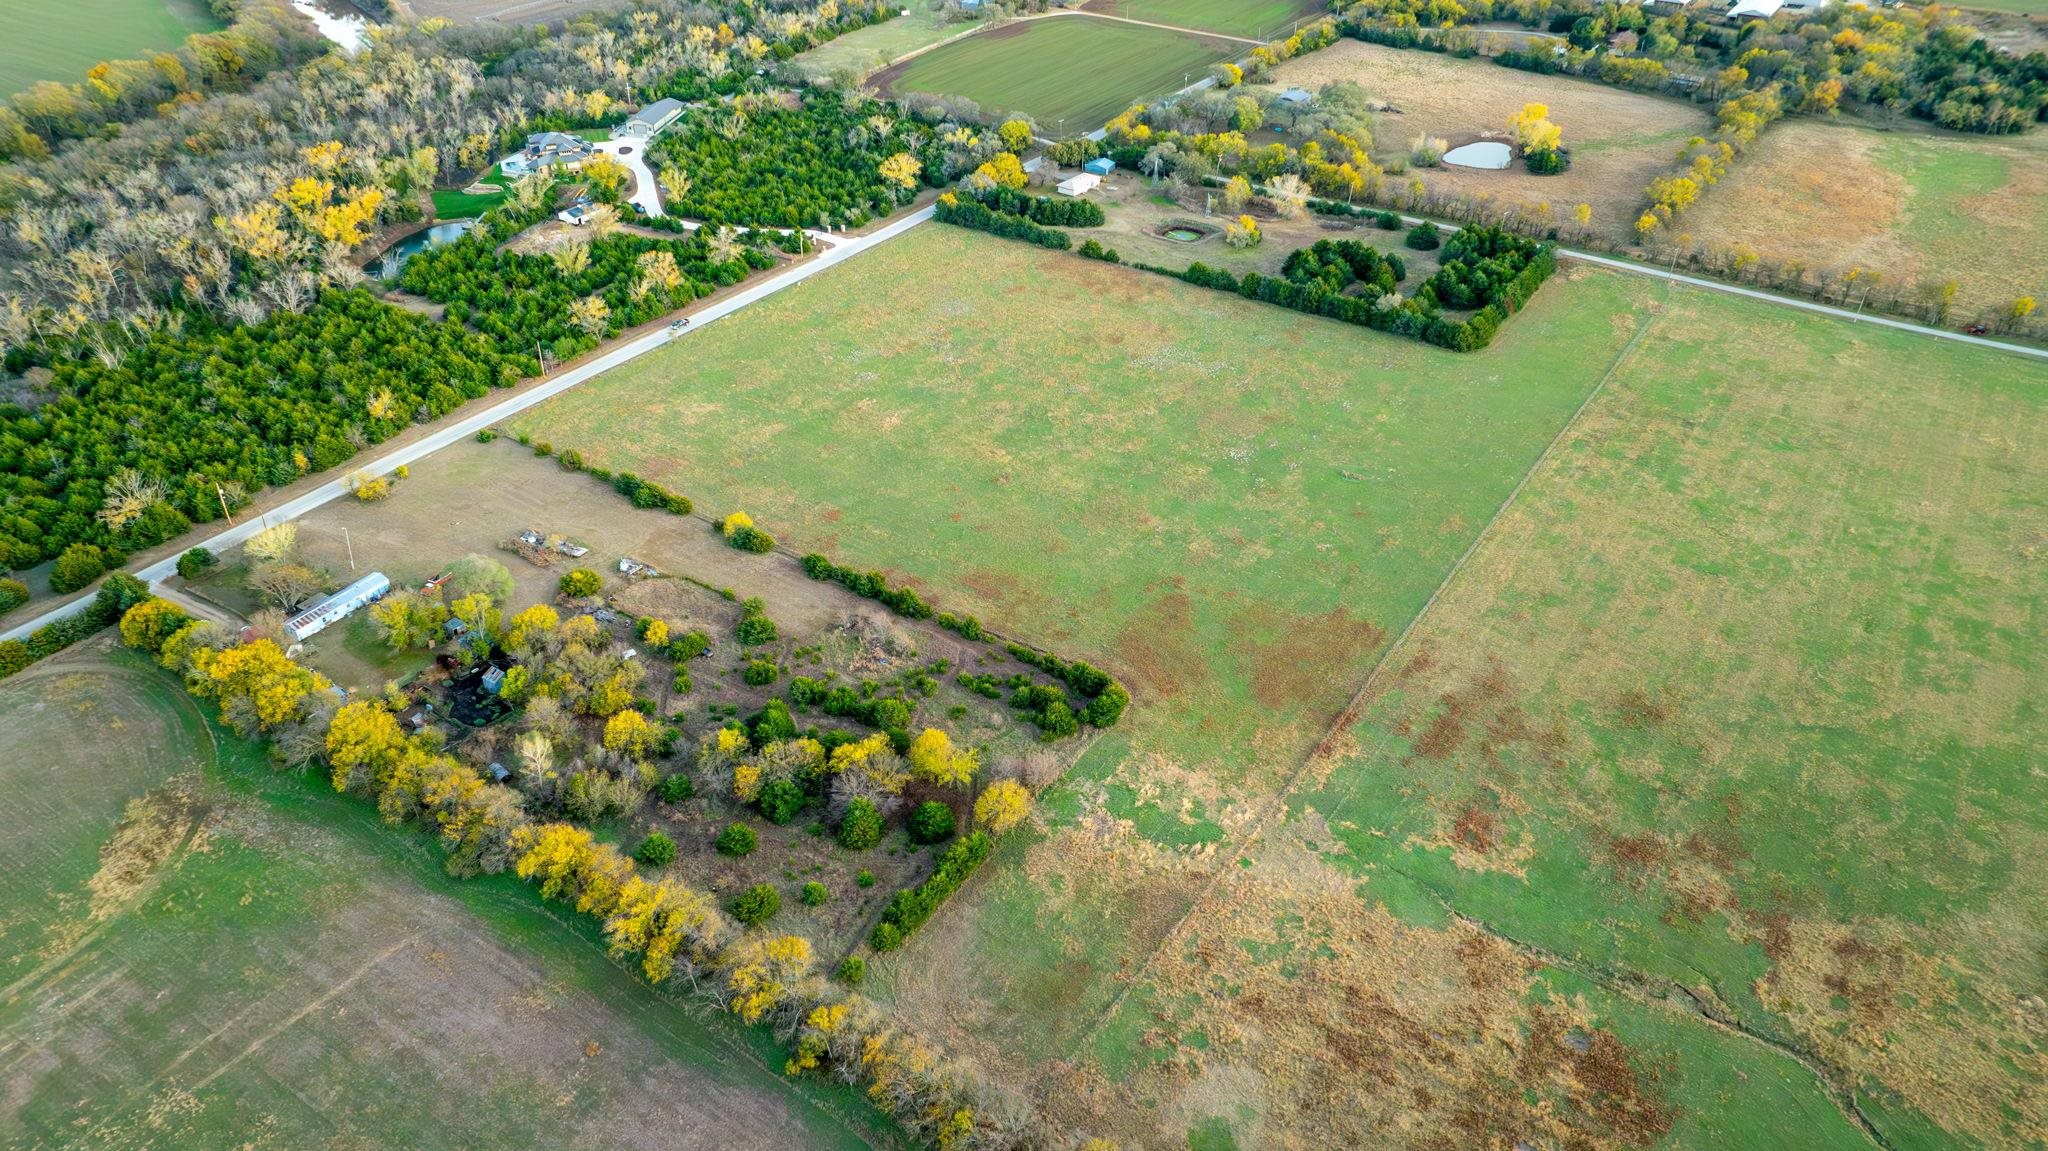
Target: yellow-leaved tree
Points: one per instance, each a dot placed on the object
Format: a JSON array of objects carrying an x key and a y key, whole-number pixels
[
  {"x": 1002, "y": 807},
  {"x": 1532, "y": 129},
  {"x": 934, "y": 759},
  {"x": 901, "y": 171},
  {"x": 1004, "y": 170}
]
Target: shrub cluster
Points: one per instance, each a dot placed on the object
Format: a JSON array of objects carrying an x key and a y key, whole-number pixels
[
  {"x": 888, "y": 713},
  {"x": 1094, "y": 250},
  {"x": 1338, "y": 264},
  {"x": 909, "y": 909},
  {"x": 120, "y": 592},
  {"x": 1107, "y": 698},
  {"x": 641, "y": 493}
]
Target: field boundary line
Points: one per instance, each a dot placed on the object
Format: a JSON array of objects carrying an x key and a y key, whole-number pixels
[
  {"x": 323, "y": 1000},
  {"x": 1348, "y": 715}
]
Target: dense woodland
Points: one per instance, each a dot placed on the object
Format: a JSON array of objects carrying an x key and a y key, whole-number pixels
[
  {"x": 129, "y": 454},
  {"x": 574, "y": 297},
  {"x": 827, "y": 162}
]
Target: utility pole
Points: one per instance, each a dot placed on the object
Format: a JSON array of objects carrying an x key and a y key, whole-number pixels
[
  {"x": 351, "y": 545},
  {"x": 223, "y": 494}
]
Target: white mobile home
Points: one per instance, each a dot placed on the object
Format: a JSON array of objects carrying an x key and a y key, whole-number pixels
[{"x": 337, "y": 607}]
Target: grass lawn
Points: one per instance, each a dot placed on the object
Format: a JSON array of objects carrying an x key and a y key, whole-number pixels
[
  {"x": 875, "y": 45},
  {"x": 456, "y": 204},
  {"x": 252, "y": 960},
  {"x": 1066, "y": 69},
  {"x": 2023, "y": 7},
  {"x": 1911, "y": 204},
  {"x": 1235, "y": 507},
  {"x": 60, "y": 41},
  {"x": 1257, "y": 19}
]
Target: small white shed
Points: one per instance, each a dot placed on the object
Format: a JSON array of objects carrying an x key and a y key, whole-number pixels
[{"x": 1079, "y": 185}]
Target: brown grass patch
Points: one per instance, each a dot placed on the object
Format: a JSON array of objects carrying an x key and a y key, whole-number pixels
[
  {"x": 1339, "y": 1026},
  {"x": 1160, "y": 648},
  {"x": 1836, "y": 196}
]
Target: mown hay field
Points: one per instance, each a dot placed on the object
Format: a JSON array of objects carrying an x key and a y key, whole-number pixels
[
  {"x": 1619, "y": 140},
  {"x": 1069, "y": 73},
  {"x": 1911, "y": 205},
  {"x": 1235, "y": 507},
  {"x": 1257, "y": 19},
  {"x": 874, "y": 46},
  {"x": 202, "y": 953}
]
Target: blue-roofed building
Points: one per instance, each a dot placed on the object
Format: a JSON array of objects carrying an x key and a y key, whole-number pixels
[{"x": 1099, "y": 166}]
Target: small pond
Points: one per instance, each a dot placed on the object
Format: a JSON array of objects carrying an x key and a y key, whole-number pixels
[
  {"x": 338, "y": 20},
  {"x": 1184, "y": 235},
  {"x": 387, "y": 265},
  {"x": 1488, "y": 154}
]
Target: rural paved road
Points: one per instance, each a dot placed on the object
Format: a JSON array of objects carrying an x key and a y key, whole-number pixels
[
  {"x": 1803, "y": 305},
  {"x": 844, "y": 248},
  {"x": 1784, "y": 301}
]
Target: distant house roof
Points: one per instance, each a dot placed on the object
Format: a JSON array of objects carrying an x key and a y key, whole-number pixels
[
  {"x": 1079, "y": 185},
  {"x": 651, "y": 119},
  {"x": 550, "y": 149},
  {"x": 1297, "y": 95},
  {"x": 1761, "y": 9},
  {"x": 1100, "y": 166}
]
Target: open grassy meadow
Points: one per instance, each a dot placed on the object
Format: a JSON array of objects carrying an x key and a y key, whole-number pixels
[
  {"x": 1684, "y": 810},
  {"x": 874, "y": 46},
  {"x": 202, "y": 953},
  {"x": 1619, "y": 140},
  {"x": 1071, "y": 70},
  {"x": 60, "y": 41},
  {"x": 1912, "y": 204},
  {"x": 1257, "y": 19}
]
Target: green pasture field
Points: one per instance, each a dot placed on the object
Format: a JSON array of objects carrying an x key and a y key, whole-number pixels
[
  {"x": 2023, "y": 7},
  {"x": 1744, "y": 695},
  {"x": 200, "y": 952},
  {"x": 1257, "y": 19},
  {"x": 1070, "y": 70},
  {"x": 1235, "y": 507},
  {"x": 876, "y": 45},
  {"x": 61, "y": 41}
]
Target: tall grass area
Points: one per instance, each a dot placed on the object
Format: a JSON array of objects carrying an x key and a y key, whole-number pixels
[{"x": 60, "y": 41}]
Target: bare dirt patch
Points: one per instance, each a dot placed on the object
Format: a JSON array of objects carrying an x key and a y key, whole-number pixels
[{"x": 1619, "y": 140}]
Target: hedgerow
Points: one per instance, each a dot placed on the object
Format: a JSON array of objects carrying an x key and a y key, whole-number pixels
[
  {"x": 910, "y": 908},
  {"x": 951, "y": 209}
]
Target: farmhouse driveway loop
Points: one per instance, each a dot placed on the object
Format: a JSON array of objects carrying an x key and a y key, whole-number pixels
[{"x": 844, "y": 248}]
